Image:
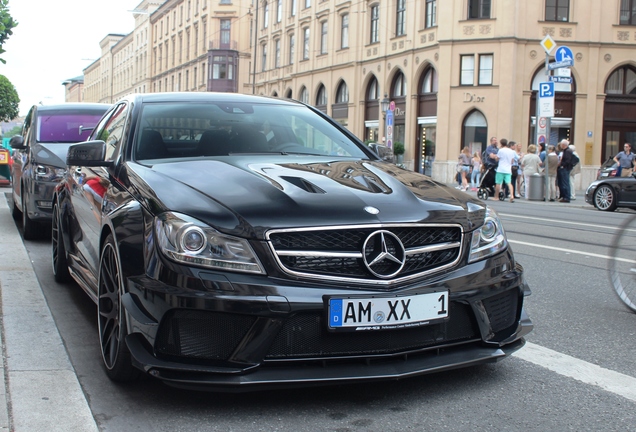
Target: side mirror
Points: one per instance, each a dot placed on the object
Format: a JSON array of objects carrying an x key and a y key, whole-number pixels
[
  {"x": 17, "y": 142},
  {"x": 89, "y": 153}
]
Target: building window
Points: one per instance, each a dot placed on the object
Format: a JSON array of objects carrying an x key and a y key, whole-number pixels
[
  {"x": 628, "y": 12},
  {"x": 292, "y": 48},
  {"x": 293, "y": 7},
  {"x": 277, "y": 53},
  {"x": 321, "y": 98},
  {"x": 431, "y": 13},
  {"x": 399, "y": 86},
  {"x": 226, "y": 1},
  {"x": 306, "y": 43},
  {"x": 342, "y": 96},
  {"x": 429, "y": 83},
  {"x": 279, "y": 11},
  {"x": 467, "y": 70},
  {"x": 557, "y": 10},
  {"x": 400, "y": 18},
  {"x": 375, "y": 20},
  {"x": 478, "y": 9},
  {"x": 622, "y": 81},
  {"x": 323, "y": 37},
  {"x": 372, "y": 91},
  {"x": 307, "y": 4},
  {"x": 265, "y": 14},
  {"x": 485, "y": 69},
  {"x": 219, "y": 67},
  {"x": 225, "y": 33},
  {"x": 304, "y": 95},
  {"x": 264, "y": 58},
  {"x": 344, "y": 32}
]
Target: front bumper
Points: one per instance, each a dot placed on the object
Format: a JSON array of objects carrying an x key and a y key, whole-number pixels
[{"x": 248, "y": 333}]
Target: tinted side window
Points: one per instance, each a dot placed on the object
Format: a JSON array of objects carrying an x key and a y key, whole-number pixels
[
  {"x": 26, "y": 128},
  {"x": 111, "y": 130}
]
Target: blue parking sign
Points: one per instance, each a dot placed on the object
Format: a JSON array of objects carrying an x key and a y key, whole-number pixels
[{"x": 546, "y": 89}]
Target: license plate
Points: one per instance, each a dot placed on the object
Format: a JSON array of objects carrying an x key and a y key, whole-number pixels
[{"x": 380, "y": 313}]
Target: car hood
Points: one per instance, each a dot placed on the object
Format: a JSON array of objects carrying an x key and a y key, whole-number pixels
[
  {"x": 247, "y": 197},
  {"x": 53, "y": 154}
]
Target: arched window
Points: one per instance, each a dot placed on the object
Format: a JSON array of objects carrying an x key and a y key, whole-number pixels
[
  {"x": 429, "y": 82},
  {"x": 342, "y": 96},
  {"x": 304, "y": 95},
  {"x": 288, "y": 95},
  {"x": 474, "y": 133},
  {"x": 398, "y": 89},
  {"x": 622, "y": 81},
  {"x": 372, "y": 90},
  {"x": 321, "y": 97}
]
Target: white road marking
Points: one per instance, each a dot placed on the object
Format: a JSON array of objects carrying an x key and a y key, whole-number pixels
[
  {"x": 566, "y": 222},
  {"x": 572, "y": 251},
  {"x": 588, "y": 373}
]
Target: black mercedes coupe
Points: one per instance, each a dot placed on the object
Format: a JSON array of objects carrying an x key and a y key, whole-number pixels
[{"x": 236, "y": 242}]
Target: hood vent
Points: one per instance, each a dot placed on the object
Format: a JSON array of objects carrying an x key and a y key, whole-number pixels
[{"x": 304, "y": 184}]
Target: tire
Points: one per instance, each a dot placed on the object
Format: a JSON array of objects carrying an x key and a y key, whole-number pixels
[
  {"x": 502, "y": 196},
  {"x": 605, "y": 198},
  {"x": 111, "y": 317},
  {"x": 58, "y": 251},
  {"x": 482, "y": 194},
  {"x": 30, "y": 228},
  {"x": 622, "y": 265},
  {"x": 15, "y": 211}
]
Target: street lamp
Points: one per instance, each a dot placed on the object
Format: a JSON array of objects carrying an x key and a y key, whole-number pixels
[{"x": 384, "y": 104}]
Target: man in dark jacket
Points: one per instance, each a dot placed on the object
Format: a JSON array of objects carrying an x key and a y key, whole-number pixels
[{"x": 563, "y": 172}]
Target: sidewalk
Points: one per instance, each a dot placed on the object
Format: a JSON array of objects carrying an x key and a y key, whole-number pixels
[{"x": 41, "y": 391}]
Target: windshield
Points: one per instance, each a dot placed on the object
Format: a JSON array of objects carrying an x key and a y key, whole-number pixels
[
  {"x": 169, "y": 130},
  {"x": 66, "y": 126}
]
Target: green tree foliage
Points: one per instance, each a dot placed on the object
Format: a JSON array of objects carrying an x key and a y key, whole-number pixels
[
  {"x": 7, "y": 23},
  {"x": 14, "y": 131},
  {"x": 9, "y": 100}
]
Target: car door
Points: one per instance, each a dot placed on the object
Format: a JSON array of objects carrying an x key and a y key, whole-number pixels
[
  {"x": 90, "y": 187},
  {"x": 20, "y": 157}
]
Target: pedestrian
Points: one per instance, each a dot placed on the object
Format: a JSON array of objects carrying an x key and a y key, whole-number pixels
[
  {"x": 490, "y": 155},
  {"x": 576, "y": 169},
  {"x": 563, "y": 171},
  {"x": 465, "y": 164},
  {"x": 517, "y": 179},
  {"x": 542, "y": 152},
  {"x": 625, "y": 161},
  {"x": 553, "y": 164},
  {"x": 505, "y": 157},
  {"x": 475, "y": 176},
  {"x": 531, "y": 164}
]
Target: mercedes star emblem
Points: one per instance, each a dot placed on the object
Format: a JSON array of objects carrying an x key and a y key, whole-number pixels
[{"x": 383, "y": 254}]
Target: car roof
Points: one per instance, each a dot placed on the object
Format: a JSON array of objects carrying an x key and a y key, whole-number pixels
[
  {"x": 73, "y": 106},
  {"x": 208, "y": 97}
]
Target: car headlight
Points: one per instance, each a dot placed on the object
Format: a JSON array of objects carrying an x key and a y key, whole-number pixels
[
  {"x": 49, "y": 173},
  {"x": 189, "y": 241},
  {"x": 489, "y": 239}
]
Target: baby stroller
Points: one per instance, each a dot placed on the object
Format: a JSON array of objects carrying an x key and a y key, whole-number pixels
[{"x": 487, "y": 185}]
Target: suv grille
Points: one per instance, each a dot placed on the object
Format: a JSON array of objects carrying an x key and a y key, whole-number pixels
[{"x": 348, "y": 253}]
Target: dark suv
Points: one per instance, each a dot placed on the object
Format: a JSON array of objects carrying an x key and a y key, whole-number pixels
[{"x": 40, "y": 157}]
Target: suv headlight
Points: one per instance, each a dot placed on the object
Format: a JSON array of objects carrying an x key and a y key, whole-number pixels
[
  {"x": 49, "y": 173},
  {"x": 489, "y": 239},
  {"x": 189, "y": 241}
]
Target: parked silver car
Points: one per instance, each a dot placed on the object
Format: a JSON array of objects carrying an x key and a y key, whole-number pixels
[{"x": 39, "y": 158}]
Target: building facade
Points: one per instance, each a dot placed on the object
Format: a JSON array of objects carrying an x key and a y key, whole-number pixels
[{"x": 455, "y": 72}]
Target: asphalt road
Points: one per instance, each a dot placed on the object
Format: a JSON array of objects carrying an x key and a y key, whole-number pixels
[{"x": 568, "y": 377}]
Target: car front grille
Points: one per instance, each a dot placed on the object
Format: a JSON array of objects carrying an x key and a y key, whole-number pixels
[{"x": 344, "y": 253}]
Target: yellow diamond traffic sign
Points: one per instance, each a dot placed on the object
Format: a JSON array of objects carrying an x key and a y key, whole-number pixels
[{"x": 548, "y": 44}]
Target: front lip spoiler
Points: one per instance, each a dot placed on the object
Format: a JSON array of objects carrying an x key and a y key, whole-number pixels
[{"x": 253, "y": 378}]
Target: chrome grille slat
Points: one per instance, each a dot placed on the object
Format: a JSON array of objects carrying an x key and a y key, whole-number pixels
[{"x": 337, "y": 253}]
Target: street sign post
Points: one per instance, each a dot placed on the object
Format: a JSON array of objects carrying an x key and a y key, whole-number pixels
[{"x": 546, "y": 99}]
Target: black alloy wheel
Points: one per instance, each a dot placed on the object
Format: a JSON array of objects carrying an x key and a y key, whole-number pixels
[
  {"x": 605, "y": 198},
  {"x": 60, "y": 263},
  {"x": 111, "y": 316},
  {"x": 30, "y": 228}
]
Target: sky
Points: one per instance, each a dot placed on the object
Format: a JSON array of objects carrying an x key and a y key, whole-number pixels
[{"x": 55, "y": 40}]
